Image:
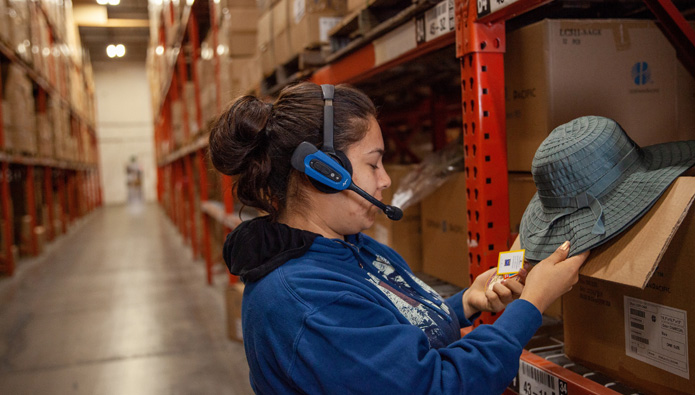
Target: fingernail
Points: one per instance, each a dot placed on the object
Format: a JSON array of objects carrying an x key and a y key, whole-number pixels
[{"x": 565, "y": 246}]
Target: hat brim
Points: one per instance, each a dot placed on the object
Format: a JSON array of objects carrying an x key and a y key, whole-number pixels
[{"x": 628, "y": 201}]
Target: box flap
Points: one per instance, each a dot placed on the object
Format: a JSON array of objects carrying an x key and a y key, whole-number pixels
[{"x": 632, "y": 257}]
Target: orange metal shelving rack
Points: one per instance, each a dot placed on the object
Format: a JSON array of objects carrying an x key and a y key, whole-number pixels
[{"x": 83, "y": 193}]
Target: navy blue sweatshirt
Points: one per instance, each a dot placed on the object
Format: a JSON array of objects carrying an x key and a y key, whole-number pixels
[{"x": 334, "y": 316}]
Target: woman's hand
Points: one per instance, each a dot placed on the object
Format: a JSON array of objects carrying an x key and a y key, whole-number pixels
[
  {"x": 479, "y": 298},
  {"x": 552, "y": 277}
]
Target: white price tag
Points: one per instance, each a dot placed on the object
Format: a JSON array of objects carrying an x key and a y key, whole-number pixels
[
  {"x": 510, "y": 262},
  {"x": 534, "y": 381}
]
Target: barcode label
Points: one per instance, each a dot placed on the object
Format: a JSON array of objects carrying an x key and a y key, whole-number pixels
[
  {"x": 657, "y": 335},
  {"x": 640, "y": 339},
  {"x": 538, "y": 375},
  {"x": 637, "y": 325},
  {"x": 533, "y": 380}
]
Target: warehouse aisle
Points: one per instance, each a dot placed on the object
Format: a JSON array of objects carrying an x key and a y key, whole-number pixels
[{"x": 117, "y": 306}]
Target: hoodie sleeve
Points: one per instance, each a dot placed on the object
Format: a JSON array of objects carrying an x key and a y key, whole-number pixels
[
  {"x": 456, "y": 304},
  {"x": 354, "y": 346}
]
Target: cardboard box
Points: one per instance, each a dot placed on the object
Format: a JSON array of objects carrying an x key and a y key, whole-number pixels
[
  {"x": 521, "y": 190},
  {"x": 240, "y": 20},
  {"x": 404, "y": 235},
  {"x": 558, "y": 70},
  {"x": 632, "y": 314},
  {"x": 234, "y": 295},
  {"x": 353, "y": 5},
  {"x": 265, "y": 43},
  {"x": 445, "y": 233},
  {"x": 282, "y": 48},
  {"x": 311, "y": 31}
]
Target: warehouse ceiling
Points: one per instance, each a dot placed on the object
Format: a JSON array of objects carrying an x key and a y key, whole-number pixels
[{"x": 100, "y": 25}]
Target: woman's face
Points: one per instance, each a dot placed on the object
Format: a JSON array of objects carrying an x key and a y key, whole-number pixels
[{"x": 357, "y": 214}]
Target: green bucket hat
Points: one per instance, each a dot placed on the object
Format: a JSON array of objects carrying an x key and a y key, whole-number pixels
[{"x": 592, "y": 183}]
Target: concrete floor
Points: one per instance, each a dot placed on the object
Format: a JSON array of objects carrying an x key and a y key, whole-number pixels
[{"x": 117, "y": 306}]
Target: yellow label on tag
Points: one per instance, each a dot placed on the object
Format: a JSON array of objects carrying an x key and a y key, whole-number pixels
[{"x": 510, "y": 262}]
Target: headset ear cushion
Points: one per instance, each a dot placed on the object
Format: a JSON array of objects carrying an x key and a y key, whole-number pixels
[
  {"x": 343, "y": 161},
  {"x": 341, "y": 158}
]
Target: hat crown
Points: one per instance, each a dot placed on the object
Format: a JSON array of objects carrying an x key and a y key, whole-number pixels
[{"x": 576, "y": 155}]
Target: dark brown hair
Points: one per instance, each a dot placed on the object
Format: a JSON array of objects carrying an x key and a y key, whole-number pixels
[{"x": 254, "y": 140}]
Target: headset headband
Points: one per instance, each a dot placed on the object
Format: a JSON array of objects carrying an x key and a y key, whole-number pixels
[{"x": 328, "y": 93}]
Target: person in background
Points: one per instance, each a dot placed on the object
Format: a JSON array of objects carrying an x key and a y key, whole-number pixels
[
  {"x": 327, "y": 309},
  {"x": 134, "y": 180}
]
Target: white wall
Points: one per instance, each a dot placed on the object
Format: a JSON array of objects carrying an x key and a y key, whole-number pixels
[{"x": 124, "y": 127}]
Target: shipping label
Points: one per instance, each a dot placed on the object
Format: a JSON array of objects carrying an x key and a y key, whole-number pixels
[
  {"x": 325, "y": 26},
  {"x": 298, "y": 10},
  {"x": 657, "y": 335},
  {"x": 436, "y": 22},
  {"x": 486, "y": 7},
  {"x": 534, "y": 381}
]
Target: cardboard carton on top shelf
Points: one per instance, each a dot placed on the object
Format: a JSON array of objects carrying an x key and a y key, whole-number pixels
[
  {"x": 558, "y": 70},
  {"x": 241, "y": 19},
  {"x": 311, "y": 31},
  {"x": 265, "y": 43},
  {"x": 4, "y": 23},
  {"x": 445, "y": 233},
  {"x": 405, "y": 235},
  {"x": 238, "y": 32},
  {"x": 632, "y": 314},
  {"x": 279, "y": 20},
  {"x": 310, "y": 22}
]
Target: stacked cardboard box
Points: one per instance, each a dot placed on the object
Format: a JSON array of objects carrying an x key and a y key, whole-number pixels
[
  {"x": 4, "y": 23},
  {"x": 206, "y": 79},
  {"x": 632, "y": 314},
  {"x": 558, "y": 70},
  {"x": 311, "y": 20},
  {"x": 405, "y": 235},
  {"x": 177, "y": 126},
  {"x": 19, "y": 113},
  {"x": 289, "y": 27},
  {"x": 265, "y": 41},
  {"x": 45, "y": 127},
  {"x": 18, "y": 25},
  {"x": 445, "y": 233}
]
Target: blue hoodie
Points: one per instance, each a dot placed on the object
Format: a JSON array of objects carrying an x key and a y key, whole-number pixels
[{"x": 348, "y": 316}]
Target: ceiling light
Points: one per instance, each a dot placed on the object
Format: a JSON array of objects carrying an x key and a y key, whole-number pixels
[
  {"x": 159, "y": 50},
  {"x": 120, "y": 50},
  {"x": 111, "y": 51},
  {"x": 102, "y": 2},
  {"x": 114, "y": 2}
]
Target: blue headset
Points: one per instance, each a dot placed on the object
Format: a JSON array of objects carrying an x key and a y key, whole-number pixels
[{"x": 330, "y": 170}]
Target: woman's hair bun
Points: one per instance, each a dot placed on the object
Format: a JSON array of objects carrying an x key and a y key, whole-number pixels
[{"x": 238, "y": 136}]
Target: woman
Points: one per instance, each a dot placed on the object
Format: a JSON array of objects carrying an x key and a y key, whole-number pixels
[{"x": 327, "y": 309}]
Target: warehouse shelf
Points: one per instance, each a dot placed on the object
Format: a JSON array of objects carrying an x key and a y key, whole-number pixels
[
  {"x": 394, "y": 47},
  {"x": 42, "y": 82},
  {"x": 49, "y": 172},
  {"x": 189, "y": 149}
]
